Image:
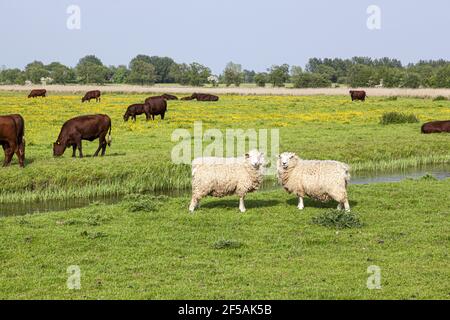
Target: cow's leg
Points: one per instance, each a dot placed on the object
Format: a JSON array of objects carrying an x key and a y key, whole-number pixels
[
  {"x": 153, "y": 117},
  {"x": 162, "y": 115},
  {"x": 9, "y": 152},
  {"x": 80, "y": 148},
  {"x": 104, "y": 149},
  {"x": 74, "y": 151},
  {"x": 20, "y": 153},
  {"x": 101, "y": 144}
]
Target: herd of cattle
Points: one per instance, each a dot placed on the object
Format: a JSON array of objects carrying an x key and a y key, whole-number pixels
[{"x": 92, "y": 127}]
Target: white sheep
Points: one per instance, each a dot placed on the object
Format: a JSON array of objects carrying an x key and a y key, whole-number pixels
[
  {"x": 217, "y": 177},
  {"x": 322, "y": 180}
]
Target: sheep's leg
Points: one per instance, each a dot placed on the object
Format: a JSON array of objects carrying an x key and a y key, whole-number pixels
[
  {"x": 346, "y": 205},
  {"x": 194, "y": 204},
  {"x": 241, "y": 204},
  {"x": 340, "y": 206},
  {"x": 300, "y": 203}
]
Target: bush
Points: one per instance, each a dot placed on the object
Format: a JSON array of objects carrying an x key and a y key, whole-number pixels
[
  {"x": 338, "y": 219},
  {"x": 310, "y": 80},
  {"x": 261, "y": 79},
  {"x": 440, "y": 98},
  {"x": 397, "y": 117},
  {"x": 142, "y": 203}
]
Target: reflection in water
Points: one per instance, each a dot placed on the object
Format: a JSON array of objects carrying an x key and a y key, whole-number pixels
[{"x": 21, "y": 208}]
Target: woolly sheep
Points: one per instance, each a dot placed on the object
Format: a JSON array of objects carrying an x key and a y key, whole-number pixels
[
  {"x": 217, "y": 177},
  {"x": 322, "y": 180}
]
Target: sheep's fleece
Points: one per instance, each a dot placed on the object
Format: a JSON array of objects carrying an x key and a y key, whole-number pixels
[
  {"x": 220, "y": 177},
  {"x": 322, "y": 180}
]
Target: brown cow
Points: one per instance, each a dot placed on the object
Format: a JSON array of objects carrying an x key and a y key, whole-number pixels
[
  {"x": 12, "y": 129},
  {"x": 204, "y": 97},
  {"x": 164, "y": 96},
  {"x": 37, "y": 93},
  {"x": 94, "y": 94},
  {"x": 135, "y": 110},
  {"x": 89, "y": 128},
  {"x": 358, "y": 95},
  {"x": 156, "y": 107},
  {"x": 436, "y": 127}
]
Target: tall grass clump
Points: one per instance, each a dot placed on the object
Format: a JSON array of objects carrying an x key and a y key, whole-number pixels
[
  {"x": 397, "y": 117},
  {"x": 440, "y": 98},
  {"x": 142, "y": 203},
  {"x": 338, "y": 219}
]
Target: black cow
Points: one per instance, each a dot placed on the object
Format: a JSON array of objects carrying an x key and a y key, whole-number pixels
[
  {"x": 94, "y": 94},
  {"x": 89, "y": 128}
]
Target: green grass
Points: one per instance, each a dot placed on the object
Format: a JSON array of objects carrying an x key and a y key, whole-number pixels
[
  {"x": 315, "y": 127},
  {"x": 397, "y": 118},
  {"x": 273, "y": 251}
]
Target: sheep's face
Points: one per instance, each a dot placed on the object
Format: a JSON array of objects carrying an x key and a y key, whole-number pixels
[
  {"x": 285, "y": 158},
  {"x": 255, "y": 158}
]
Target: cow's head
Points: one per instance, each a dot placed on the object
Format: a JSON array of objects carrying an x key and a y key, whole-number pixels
[
  {"x": 83, "y": 99},
  {"x": 58, "y": 148},
  {"x": 126, "y": 116}
]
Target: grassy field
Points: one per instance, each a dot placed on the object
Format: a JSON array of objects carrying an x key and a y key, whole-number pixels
[
  {"x": 151, "y": 248},
  {"x": 148, "y": 247},
  {"x": 319, "y": 127}
]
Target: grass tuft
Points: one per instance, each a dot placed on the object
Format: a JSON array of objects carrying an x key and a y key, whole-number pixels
[
  {"x": 397, "y": 117},
  {"x": 226, "y": 244},
  {"x": 440, "y": 98},
  {"x": 142, "y": 203},
  {"x": 338, "y": 219}
]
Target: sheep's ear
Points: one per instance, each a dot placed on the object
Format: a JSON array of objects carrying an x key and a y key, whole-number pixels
[
  {"x": 279, "y": 156},
  {"x": 247, "y": 155}
]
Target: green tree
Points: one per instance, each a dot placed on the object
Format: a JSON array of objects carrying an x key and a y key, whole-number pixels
[
  {"x": 35, "y": 70},
  {"x": 162, "y": 68},
  {"x": 141, "y": 72},
  {"x": 120, "y": 75},
  {"x": 233, "y": 74},
  {"x": 90, "y": 69},
  {"x": 12, "y": 76},
  {"x": 442, "y": 78},
  {"x": 310, "y": 80},
  {"x": 180, "y": 73},
  {"x": 249, "y": 76},
  {"x": 60, "y": 73},
  {"x": 198, "y": 74},
  {"x": 411, "y": 80},
  {"x": 360, "y": 75},
  {"x": 261, "y": 79},
  {"x": 278, "y": 75}
]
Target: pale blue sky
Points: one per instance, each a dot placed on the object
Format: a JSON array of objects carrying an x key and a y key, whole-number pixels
[{"x": 255, "y": 33}]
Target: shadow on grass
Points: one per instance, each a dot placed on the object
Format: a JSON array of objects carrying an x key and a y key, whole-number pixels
[
  {"x": 317, "y": 204},
  {"x": 115, "y": 154},
  {"x": 231, "y": 203}
]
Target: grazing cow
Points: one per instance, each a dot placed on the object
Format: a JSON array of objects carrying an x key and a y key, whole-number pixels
[
  {"x": 358, "y": 95},
  {"x": 135, "y": 110},
  {"x": 94, "y": 94},
  {"x": 37, "y": 93},
  {"x": 12, "y": 129},
  {"x": 89, "y": 128},
  {"x": 156, "y": 107},
  {"x": 436, "y": 127}
]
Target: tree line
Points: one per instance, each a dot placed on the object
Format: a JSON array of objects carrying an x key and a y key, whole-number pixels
[{"x": 148, "y": 70}]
